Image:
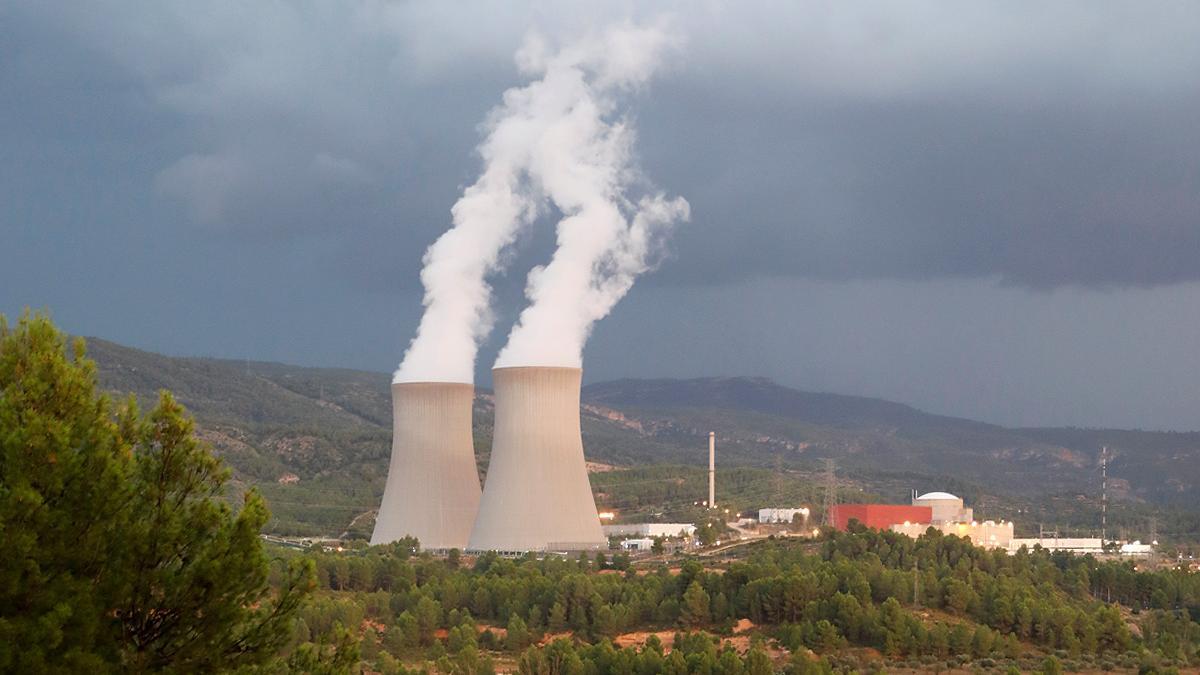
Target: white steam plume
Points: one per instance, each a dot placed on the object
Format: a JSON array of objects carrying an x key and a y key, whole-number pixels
[
  {"x": 551, "y": 139},
  {"x": 457, "y": 295},
  {"x": 584, "y": 165}
]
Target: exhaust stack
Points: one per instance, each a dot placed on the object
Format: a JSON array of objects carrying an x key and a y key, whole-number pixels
[
  {"x": 537, "y": 496},
  {"x": 432, "y": 490}
]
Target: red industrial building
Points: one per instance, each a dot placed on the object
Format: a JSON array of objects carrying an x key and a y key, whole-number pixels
[{"x": 880, "y": 516}]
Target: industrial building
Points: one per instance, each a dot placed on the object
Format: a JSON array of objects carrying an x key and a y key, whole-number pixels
[
  {"x": 644, "y": 544},
  {"x": 946, "y": 513},
  {"x": 1136, "y": 549},
  {"x": 432, "y": 491},
  {"x": 988, "y": 534},
  {"x": 880, "y": 516},
  {"x": 784, "y": 515},
  {"x": 939, "y": 510},
  {"x": 945, "y": 507},
  {"x": 537, "y": 496},
  {"x": 1080, "y": 545},
  {"x": 650, "y": 530}
]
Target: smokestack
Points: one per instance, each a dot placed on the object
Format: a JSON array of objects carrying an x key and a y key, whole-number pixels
[
  {"x": 432, "y": 490},
  {"x": 712, "y": 469},
  {"x": 537, "y": 496}
]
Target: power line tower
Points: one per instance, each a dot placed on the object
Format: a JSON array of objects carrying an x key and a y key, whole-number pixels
[
  {"x": 777, "y": 478},
  {"x": 830, "y": 492}
]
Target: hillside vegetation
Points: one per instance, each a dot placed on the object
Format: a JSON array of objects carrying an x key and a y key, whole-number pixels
[
  {"x": 855, "y": 602},
  {"x": 317, "y": 440}
]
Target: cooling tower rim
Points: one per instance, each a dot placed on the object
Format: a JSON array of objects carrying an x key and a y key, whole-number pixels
[
  {"x": 510, "y": 369},
  {"x": 432, "y": 385}
]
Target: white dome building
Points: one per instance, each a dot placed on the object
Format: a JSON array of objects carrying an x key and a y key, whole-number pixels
[{"x": 946, "y": 507}]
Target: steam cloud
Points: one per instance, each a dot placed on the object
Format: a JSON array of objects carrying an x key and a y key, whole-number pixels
[
  {"x": 585, "y": 168},
  {"x": 554, "y": 141}
]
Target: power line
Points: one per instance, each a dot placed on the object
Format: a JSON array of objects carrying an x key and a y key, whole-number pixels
[{"x": 830, "y": 492}]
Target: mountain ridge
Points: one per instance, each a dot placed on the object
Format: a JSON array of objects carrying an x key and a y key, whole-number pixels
[{"x": 329, "y": 430}]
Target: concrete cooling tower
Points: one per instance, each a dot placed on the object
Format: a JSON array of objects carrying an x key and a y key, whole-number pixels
[
  {"x": 537, "y": 496},
  {"x": 432, "y": 490}
]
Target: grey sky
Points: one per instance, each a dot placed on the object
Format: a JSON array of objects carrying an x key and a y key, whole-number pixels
[{"x": 983, "y": 209}]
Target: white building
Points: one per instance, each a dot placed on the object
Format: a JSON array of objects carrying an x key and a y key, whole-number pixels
[
  {"x": 782, "y": 515},
  {"x": 1069, "y": 544},
  {"x": 1136, "y": 549},
  {"x": 946, "y": 507},
  {"x": 682, "y": 530},
  {"x": 988, "y": 534},
  {"x": 637, "y": 544}
]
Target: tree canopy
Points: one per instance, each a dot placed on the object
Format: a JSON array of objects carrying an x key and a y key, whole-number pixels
[{"x": 121, "y": 552}]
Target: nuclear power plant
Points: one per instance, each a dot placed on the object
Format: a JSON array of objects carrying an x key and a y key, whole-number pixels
[
  {"x": 432, "y": 490},
  {"x": 537, "y": 496}
]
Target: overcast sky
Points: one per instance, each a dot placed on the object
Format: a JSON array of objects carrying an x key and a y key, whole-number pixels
[{"x": 985, "y": 209}]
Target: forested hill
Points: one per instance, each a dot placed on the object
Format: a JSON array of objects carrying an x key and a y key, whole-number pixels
[
  {"x": 313, "y": 435},
  {"x": 761, "y": 417}
]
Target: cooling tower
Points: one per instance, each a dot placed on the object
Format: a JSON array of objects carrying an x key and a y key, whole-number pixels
[
  {"x": 537, "y": 496},
  {"x": 432, "y": 490}
]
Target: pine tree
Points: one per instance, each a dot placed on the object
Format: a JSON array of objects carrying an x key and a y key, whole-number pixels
[
  {"x": 64, "y": 467},
  {"x": 517, "y": 637},
  {"x": 758, "y": 663},
  {"x": 694, "y": 611},
  {"x": 195, "y": 573},
  {"x": 119, "y": 552},
  {"x": 557, "y": 620},
  {"x": 428, "y": 614}
]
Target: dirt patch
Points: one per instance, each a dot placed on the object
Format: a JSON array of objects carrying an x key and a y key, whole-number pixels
[
  {"x": 551, "y": 637},
  {"x": 739, "y": 642},
  {"x": 498, "y": 632},
  {"x": 601, "y": 467},
  {"x": 638, "y": 639}
]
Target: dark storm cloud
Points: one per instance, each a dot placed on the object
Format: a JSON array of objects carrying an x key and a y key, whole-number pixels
[
  {"x": 261, "y": 179},
  {"x": 1058, "y": 195},
  {"x": 1041, "y": 145}
]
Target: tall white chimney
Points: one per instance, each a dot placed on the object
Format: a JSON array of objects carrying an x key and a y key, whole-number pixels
[
  {"x": 432, "y": 490},
  {"x": 712, "y": 469}
]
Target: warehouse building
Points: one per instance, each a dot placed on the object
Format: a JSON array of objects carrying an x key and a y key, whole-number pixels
[
  {"x": 644, "y": 544},
  {"x": 1080, "y": 545},
  {"x": 786, "y": 516},
  {"x": 682, "y": 530},
  {"x": 988, "y": 534},
  {"x": 879, "y": 516}
]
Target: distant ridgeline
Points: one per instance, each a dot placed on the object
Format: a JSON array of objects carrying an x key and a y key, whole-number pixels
[{"x": 316, "y": 442}]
